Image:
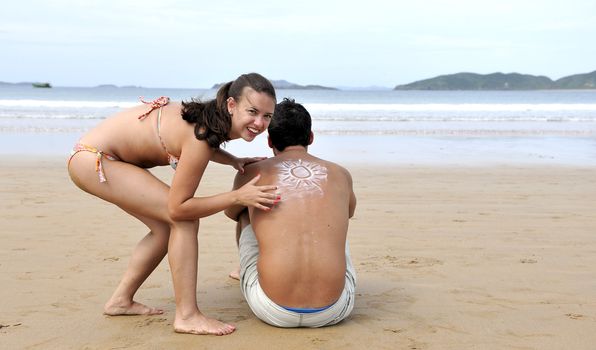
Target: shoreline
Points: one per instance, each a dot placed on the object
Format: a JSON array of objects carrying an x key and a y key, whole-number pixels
[
  {"x": 447, "y": 257},
  {"x": 378, "y": 150}
]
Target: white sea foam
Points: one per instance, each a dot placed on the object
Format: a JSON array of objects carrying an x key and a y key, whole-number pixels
[
  {"x": 447, "y": 107},
  {"x": 334, "y": 112},
  {"x": 558, "y": 113},
  {"x": 339, "y": 107},
  {"x": 66, "y": 103},
  {"x": 422, "y": 117},
  {"x": 48, "y": 115}
]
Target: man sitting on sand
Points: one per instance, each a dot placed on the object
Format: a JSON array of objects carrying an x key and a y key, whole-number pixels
[{"x": 295, "y": 268}]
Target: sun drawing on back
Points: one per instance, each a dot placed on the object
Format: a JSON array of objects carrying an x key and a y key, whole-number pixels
[{"x": 301, "y": 176}]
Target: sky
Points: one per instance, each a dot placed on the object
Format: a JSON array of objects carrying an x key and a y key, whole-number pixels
[{"x": 195, "y": 44}]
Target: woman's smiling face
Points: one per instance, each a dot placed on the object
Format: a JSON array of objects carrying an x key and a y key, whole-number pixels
[{"x": 251, "y": 115}]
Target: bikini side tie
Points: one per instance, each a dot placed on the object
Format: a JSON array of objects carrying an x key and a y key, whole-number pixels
[
  {"x": 79, "y": 147},
  {"x": 157, "y": 103}
]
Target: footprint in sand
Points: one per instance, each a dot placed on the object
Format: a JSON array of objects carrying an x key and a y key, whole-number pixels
[
  {"x": 360, "y": 317},
  {"x": 152, "y": 286},
  {"x": 575, "y": 316},
  {"x": 9, "y": 325},
  {"x": 66, "y": 306},
  {"x": 25, "y": 277},
  {"x": 239, "y": 318},
  {"x": 148, "y": 321},
  {"x": 403, "y": 262},
  {"x": 415, "y": 344},
  {"x": 317, "y": 340},
  {"x": 393, "y": 330},
  {"x": 528, "y": 261},
  {"x": 411, "y": 262}
]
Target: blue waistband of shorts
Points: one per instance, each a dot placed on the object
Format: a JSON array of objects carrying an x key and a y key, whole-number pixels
[{"x": 306, "y": 310}]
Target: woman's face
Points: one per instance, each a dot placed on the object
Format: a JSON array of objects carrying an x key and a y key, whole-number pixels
[{"x": 251, "y": 115}]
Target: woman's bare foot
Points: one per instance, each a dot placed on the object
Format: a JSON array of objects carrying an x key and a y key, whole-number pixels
[
  {"x": 199, "y": 324},
  {"x": 134, "y": 308},
  {"x": 235, "y": 274}
]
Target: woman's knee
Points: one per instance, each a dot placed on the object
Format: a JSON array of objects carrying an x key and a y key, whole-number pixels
[
  {"x": 161, "y": 230},
  {"x": 192, "y": 225}
]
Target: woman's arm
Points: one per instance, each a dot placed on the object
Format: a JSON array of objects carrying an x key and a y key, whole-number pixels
[
  {"x": 224, "y": 157},
  {"x": 182, "y": 205}
]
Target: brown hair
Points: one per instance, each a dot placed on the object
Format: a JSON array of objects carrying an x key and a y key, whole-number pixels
[{"x": 212, "y": 119}]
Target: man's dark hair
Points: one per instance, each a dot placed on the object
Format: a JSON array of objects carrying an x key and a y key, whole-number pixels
[{"x": 290, "y": 126}]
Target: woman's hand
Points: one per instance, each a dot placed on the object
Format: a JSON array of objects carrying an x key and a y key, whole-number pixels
[
  {"x": 240, "y": 163},
  {"x": 261, "y": 197}
]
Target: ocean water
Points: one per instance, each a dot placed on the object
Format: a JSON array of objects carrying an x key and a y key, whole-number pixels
[{"x": 411, "y": 127}]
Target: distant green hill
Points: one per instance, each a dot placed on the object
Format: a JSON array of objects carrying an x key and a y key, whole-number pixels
[
  {"x": 501, "y": 81},
  {"x": 284, "y": 84},
  {"x": 577, "y": 81}
]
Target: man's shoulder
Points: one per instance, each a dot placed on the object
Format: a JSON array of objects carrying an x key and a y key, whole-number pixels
[
  {"x": 333, "y": 166},
  {"x": 309, "y": 159},
  {"x": 277, "y": 163},
  {"x": 251, "y": 170},
  {"x": 261, "y": 165}
]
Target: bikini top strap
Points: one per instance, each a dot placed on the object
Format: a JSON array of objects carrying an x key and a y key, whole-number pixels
[
  {"x": 159, "y": 132},
  {"x": 157, "y": 103}
]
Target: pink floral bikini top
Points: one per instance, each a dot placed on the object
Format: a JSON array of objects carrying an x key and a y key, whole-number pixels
[{"x": 159, "y": 103}]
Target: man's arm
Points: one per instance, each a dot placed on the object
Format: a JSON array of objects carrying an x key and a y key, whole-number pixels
[
  {"x": 234, "y": 211},
  {"x": 352, "y": 205},
  {"x": 240, "y": 180}
]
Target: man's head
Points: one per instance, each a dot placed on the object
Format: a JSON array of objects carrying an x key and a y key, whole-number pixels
[{"x": 290, "y": 126}]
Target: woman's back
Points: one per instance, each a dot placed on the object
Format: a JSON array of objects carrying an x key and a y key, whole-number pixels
[{"x": 137, "y": 141}]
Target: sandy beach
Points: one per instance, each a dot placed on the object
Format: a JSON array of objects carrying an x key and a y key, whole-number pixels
[{"x": 447, "y": 257}]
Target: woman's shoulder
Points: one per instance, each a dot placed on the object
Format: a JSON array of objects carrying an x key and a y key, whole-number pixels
[{"x": 174, "y": 107}]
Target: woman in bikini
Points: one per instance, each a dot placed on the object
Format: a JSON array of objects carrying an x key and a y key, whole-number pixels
[{"x": 110, "y": 161}]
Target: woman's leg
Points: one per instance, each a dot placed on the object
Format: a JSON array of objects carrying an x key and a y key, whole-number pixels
[
  {"x": 148, "y": 253},
  {"x": 183, "y": 258},
  {"x": 143, "y": 195}
]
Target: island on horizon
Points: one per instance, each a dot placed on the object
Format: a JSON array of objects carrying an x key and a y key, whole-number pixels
[
  {"x": 284, "y": 84},
  {"x": 464, "y": 81},
  {"x": 42, "y": 85},
  {"x": 501, "y": 81}
]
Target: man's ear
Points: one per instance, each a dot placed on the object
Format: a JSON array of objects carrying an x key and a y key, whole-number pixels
[
  {"x": 231, "y": 105},
  {"x": 311, "y": 138}
]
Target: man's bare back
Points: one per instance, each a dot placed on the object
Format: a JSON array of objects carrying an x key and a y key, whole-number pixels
[{"x": 302, "y": 238}]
